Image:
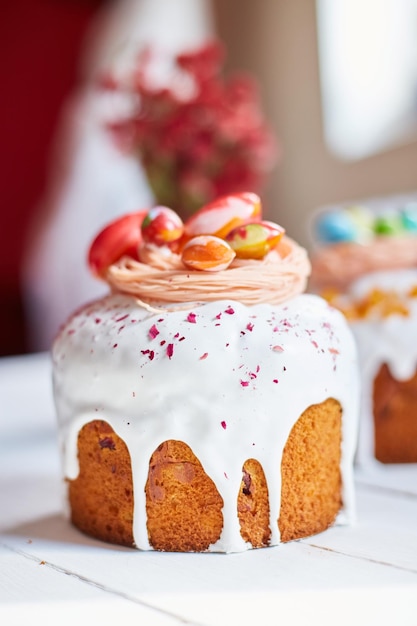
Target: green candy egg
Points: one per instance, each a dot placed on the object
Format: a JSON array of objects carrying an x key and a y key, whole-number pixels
[{"x": 388, "y": 225}]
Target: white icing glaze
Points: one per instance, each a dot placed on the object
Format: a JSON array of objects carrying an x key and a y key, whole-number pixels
[
  {"x": 391, "y": 340},
  {"x": 253, "y": 368}
]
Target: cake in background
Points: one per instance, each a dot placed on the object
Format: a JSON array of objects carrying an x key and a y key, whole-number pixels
[
  {"x": 364, "y": 261},
  {"x": 206, "y": 403}
]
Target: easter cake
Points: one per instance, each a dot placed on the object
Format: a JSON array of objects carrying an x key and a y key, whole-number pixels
[
  {"x": 365, "y": 263},
  {"x": 206, "y": 403}
]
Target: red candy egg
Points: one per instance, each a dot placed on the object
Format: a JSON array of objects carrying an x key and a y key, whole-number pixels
[
  {"x": 119, "y": 238},
  {"x": 162, "y": 226},
  {"x": 219, "y": 217},
  {"x": 255, "y": 240}
]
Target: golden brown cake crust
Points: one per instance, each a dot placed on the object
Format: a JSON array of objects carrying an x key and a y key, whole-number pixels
[
  {"x": 311, "y": 478},
  {"x": 253, "y": 505},
  {"x": 395, "y": 419},
  {"x": 183, "y": 506},
  {"x": 101, "y": 497}
]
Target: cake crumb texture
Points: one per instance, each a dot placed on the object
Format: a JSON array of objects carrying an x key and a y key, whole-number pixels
[
  {"x": 311, "y": 478},
  {"x": 101, "y": 498},
  {"x": 395, "y": 419},
  {"x": 253, "y": 505},
  {"x": 183, "y": 505}
]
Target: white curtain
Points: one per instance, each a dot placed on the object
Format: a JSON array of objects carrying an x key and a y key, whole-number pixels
[{"x": 91, "y": 182}]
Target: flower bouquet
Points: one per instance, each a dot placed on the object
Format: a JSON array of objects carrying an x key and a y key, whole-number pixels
[{"x": 197, "y": 135}]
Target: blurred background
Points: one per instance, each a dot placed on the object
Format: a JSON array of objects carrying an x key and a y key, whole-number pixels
[{"x": 337, "y": 84}]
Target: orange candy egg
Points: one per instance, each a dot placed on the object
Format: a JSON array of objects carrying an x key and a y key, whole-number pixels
[
  {"x": 119, "y": 238},
  {"x": 207, "y": 253},
  {"x": 162, "y": 226},
  {"x": 219, "y": 217},
  {"x": 255, "y": 240}
]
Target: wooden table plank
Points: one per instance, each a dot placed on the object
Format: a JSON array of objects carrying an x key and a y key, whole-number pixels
[{"x": 32, "y": 590}]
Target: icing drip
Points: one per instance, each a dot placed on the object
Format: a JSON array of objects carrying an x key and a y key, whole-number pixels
[
  {"x": 161, "y": 277},
  {"x": 227, "y": 379}
]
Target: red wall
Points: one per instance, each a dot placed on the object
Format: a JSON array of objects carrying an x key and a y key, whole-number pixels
[{"x": 40, "y": 45}]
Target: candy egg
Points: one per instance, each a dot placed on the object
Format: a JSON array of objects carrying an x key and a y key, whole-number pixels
[
  {"x": 222, "y": 215},
  {"x": 363, "y": 221},
  {"x": 162, "y": 226},
  {"x": 254, "y": 240},
  {"x": 409, "y": 217},
  {"x": 119, "y": 238},
  {"x": 335, "y": 226},
  {"x": 207, "y": 253},
  {"x": 389, "y": 224}
]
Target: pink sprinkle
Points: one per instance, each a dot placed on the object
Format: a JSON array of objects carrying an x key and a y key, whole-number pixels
[
  {"x": 333, "y": 351},
  {"x": 204, "y": 356},
  {"x": 258, "y": 368},
  {"x": 191, "y": 317},
  {"x": 97, "y": 320},
  {"x": 252, "y": 375},
  {"x": 163, "y": 342},
  {"x": 71, "y": 331},
  {"x": 120, "y": 319},
  {"x": 244, "y": 383},
  {"x": 278, "y": 349},
  {"x": 218, "y": 316},
  {"x": 170, "y": 350},
  {"x": 275, "y": 380},
  {"x": 161, "y": 319},
  {"x": 153, "y": 332},
  {"x": 249, "y": 326},
  {"x": 225, "y": 475},
  {"x": 223, "y": 424},
  {"x": 181, "y": 339},
  {"x": 150, "y": 354},
  {"x": 121, "y": 328},
  {"x": 229, "y": 311},
  {"x": 115, "y": 345},
  {"x": 315, "y": 344},
  {"x": 176, "y": 335}
]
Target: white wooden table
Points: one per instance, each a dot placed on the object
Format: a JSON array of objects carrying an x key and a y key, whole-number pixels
[{"x": 365, "y": 574}]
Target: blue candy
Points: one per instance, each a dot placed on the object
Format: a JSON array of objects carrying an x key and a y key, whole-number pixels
[{"x": 336, "y": 227}]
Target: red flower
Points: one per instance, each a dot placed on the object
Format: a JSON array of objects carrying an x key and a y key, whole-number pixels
[{"x": 197, "y": 135}]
